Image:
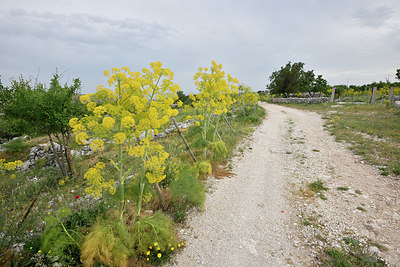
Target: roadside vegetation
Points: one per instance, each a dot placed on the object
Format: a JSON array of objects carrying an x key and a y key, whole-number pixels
[{"x": 124, "y": 202}]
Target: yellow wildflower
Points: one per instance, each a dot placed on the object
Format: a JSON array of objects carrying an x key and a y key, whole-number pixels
[
  {"x": 127, "y": 122},
  {"x": 108, "y": 123},
  {"x": 119, "y": 138},
  {"x": 90, "y": 106},
  {"x": 97, "y": 145},
  {"x": 80, "y": 138},
  {"x": 85, "y": 98}
]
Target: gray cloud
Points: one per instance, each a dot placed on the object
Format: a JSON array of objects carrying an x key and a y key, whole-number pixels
[
  {"x": 79, "y": 28},
  {"x": 342, "y": 40},
  {"x": 374, "y": 17}
]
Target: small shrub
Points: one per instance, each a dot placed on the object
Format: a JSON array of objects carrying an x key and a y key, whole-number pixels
[
  {"x": 354, "y": 254},
  {"x": 220, "y": 148},
  {"x": 108, "y": 242},
  {"x": 187, "y": 189},
  {"x": 204, "y": 167},
  {"x": 41, "y": 163},
  {"x": 317, "y": 186},
  {"x": 16, "y": 145},
  {"x": 59, "y": 244},
  {"x": 157, "y": 231}
]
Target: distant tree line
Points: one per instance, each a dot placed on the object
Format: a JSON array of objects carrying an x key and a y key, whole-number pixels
[{"x": 293, "y": 79}]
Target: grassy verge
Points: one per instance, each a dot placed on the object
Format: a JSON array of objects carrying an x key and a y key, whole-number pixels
[{"x": 372, "y": 131}]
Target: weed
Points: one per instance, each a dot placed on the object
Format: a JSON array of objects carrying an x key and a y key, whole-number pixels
[
  {"x": 340, "y": 188},
  {"x": 317, "y": 187},
  {"x": 396, "y": 169},
  {"x": 315, "y": 150},
  {"x": 358, "y": 192},
  {"x": 361, "y": 208},
  {"x": 353, "y": 254}
]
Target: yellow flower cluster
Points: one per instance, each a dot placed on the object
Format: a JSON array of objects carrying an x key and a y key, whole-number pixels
[
  {"x": 96, "y": 181},
  {"x": 97, "y": 145},
  {"x": 154, "y": 164},
  {"x": 216, "y": 91},
  {"x": 139, "y": 104},
  {"x": 119, "y": 138},
  {"x": 9, "y": 166},
  {"x": 108, "y": 123},
  {"x": 246, "y": 96}
]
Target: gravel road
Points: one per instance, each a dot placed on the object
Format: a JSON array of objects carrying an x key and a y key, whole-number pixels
[{"x": 256, "y": 218}]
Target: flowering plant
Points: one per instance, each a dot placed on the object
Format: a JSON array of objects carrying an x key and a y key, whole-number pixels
[{"x": 128, "y": 116}]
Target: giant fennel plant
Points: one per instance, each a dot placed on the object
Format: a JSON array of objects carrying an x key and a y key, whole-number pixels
[{"x": 128, "y": 115}]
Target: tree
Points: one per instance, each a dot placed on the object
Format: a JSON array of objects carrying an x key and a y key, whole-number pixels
[
  {"x": 307, "y": 82},
  {"x": 183, "y": 98},
  {"x": 321, "y": 85},
  {"x": 47, "y": 111},
  {"x": 398, "y": 74},
  {"x": 287, "y": 80}
]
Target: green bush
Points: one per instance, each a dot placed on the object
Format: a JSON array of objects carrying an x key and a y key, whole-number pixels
[
  {"x": 108, "y": 242},
  {"x": 204, "y": 167},
  {"x": 16, "y": 145},
  {"x": 154, "y": 231},
  {"x": 41, "y": 163},
  {"x": 187, "y": 189}
]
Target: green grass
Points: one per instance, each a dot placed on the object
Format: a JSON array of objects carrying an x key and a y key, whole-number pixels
[
  {"x": 351, "y": 254},
  {"x": 317, "y": 187},
  {"x": 340, "y": 188},
  {"x": 372, "y": 131}
]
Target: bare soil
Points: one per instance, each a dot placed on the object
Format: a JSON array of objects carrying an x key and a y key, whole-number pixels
[{"x": 265, "y": 215}]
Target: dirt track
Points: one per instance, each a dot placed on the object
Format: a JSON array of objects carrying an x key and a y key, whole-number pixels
[{"x": 261, "y": 216}]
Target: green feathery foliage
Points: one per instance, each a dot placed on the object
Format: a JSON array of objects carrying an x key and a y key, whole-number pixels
[
  {"x": 108, "y": 242},
  {"x": 57, "y": 241},
  {"x": 186, "y": 188},
  {"x": 157, "y": 229},
  {"x": 204, "y": 167}
]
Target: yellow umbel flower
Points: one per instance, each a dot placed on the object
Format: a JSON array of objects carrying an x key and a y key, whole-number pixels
[
  {"x": 119, "y": 138},
  {"x": 108, "y": 123},
  {"x": 97, "y": 145}
]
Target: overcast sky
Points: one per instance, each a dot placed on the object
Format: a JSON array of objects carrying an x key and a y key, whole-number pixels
[{"x": 347, "y": 41}]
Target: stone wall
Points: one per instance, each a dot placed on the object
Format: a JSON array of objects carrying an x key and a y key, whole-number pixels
[{"x": 311, "y": 100}]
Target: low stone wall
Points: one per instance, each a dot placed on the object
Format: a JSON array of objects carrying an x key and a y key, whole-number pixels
[{"x": 311, "y": 100}]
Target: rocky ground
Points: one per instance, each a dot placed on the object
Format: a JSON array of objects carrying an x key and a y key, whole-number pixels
[{"x": 266, "y": 215}]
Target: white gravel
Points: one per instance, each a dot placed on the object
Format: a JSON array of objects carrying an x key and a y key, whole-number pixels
[{"x": 256, "y": 217}]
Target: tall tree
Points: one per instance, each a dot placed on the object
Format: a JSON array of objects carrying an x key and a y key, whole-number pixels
[
  {"x": 287, "y": 80},
  {"x": 398, "y": 74}
]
